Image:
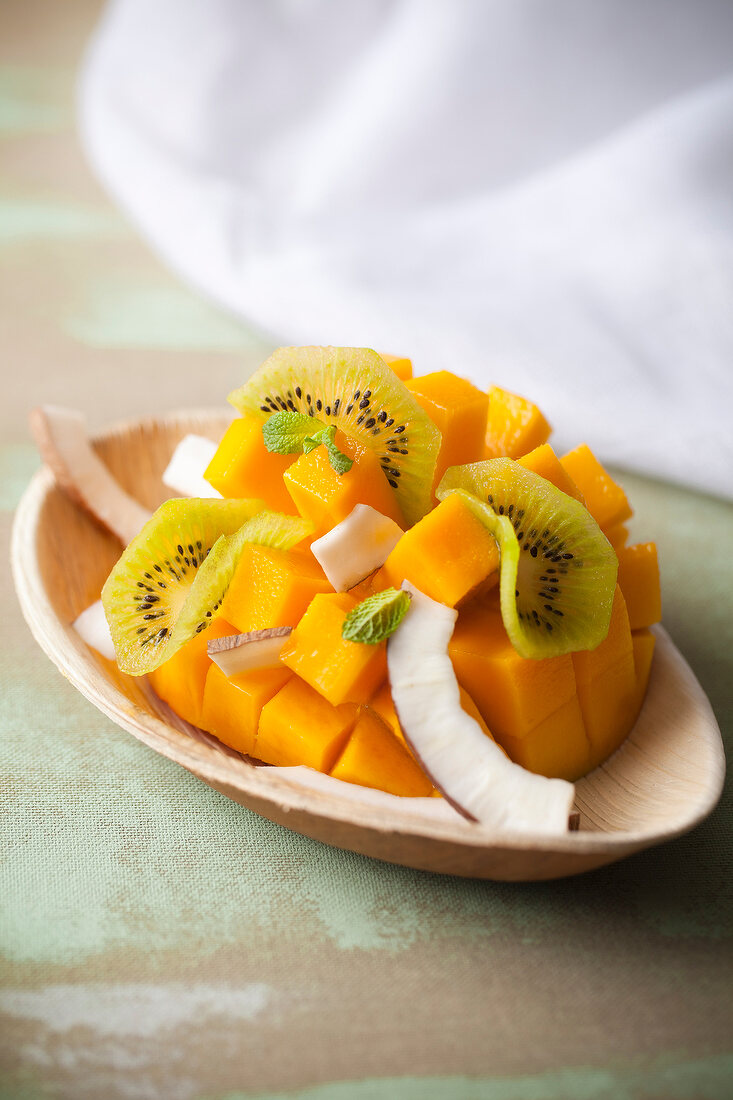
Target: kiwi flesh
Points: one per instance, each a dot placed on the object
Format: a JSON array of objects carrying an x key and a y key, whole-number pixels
[
  {"x": 171, "y": 579},
  {"x": 557, "y": 568},
  {"x": 354, "y": 389}
]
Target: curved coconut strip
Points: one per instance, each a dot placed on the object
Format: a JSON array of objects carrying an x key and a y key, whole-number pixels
[
  {"x": 469, "y": 769},
  {"x": 61, "y": 438},
  {"x": 92, "y": 627},
  {"x": 184, "y": 474},
  {"x": 357, "y": 546}
]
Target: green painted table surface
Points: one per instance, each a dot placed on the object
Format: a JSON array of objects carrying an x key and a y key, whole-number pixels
[{"x": 157, "y": 940}]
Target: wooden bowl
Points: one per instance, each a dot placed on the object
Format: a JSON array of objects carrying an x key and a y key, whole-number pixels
[{"x": 664, "y": 780}]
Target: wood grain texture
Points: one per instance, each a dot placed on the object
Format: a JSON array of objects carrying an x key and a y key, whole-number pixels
[{"x": 664, "y": 780}]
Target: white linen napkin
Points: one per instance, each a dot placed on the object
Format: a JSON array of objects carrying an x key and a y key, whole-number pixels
[{"x": 527, "y": 192}]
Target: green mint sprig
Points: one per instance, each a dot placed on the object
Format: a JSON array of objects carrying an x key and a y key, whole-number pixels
[
  {"x": 376, "y": 617},
  {"x": 288, "y": 433}
]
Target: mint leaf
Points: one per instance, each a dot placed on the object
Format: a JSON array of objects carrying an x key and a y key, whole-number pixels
[
  {"x": 286, "y": 432},
  {"x": 376, "y": 617},
  {"x": 340, "y": 462},
  {"x": 291, "y": 433}
]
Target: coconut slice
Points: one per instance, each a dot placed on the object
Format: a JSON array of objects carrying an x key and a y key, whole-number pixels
[
  {"x": 357, "y": 546},
  {"x": 464, "y": 764},
  {"x": 61, "y": 438},
  {"x": 237, "y": 653},
  {"x": 92, "y": 628},
  {"x": 185, "y": 471}
]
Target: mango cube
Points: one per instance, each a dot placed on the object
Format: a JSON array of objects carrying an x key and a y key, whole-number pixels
[
  {"x": 242, "y": 466},
  {"x": 298, "y": 726},
  {"x": 543, "y": 461},
  {"x": 604, "y": 498},
  {"x": 374, "y": 757},
  {"x": 447, "y": 554},
  {"x": 459, "y": 410},
  {"x": 342, "y": 671},
  {"x": 638, "y": 579},
  {"x": 514, "y": 425},
  {"x": 401, "y": 366},
  {"x": 326, "y": 497},
  {"x": 180, "y": 680},
  {"x": 272, "y": 588},
  {"x": 231, "y": 707}
]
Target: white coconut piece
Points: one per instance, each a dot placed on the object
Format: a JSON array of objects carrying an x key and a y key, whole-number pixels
[
  {"x": 467, "y": 766},
  {"x": 92, "y": 628},
  {"x": 185, "y": 471},
  {"x": 357, "y": 546},
  {"x": 258, "y": 649},
  {"x": 61, "y": 438}
]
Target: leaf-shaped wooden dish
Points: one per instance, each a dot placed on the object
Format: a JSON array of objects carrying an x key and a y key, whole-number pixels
[{"x": 664, "y": 780}]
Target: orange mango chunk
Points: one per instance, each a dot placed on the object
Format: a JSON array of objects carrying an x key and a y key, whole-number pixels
[
  {"x": 643, "y": 642},
  {"x": 447, "y": 554},
  {"x": 231, "y": 707},
  {"x": 298, "y": 726},
  {"x": 604, "y": 498},
  {"x": 514, "y": 694},
  {"x": 399, "y": 364},
  {"x": 514, "y": 425},
  {"x": 325, "y": 497},
  {"x": 180, "y": 680},
  {"x": 617, "y": 535},
  {"x": 543, "y": 461},
  {"x": 342, "y": 671},
  {"x": 459, "y": 410},
  {"x": 638, "y": 579},
  {"x": 530, "y": 706},
  {"x": 272, "y": 588},
  {"x": 374, "y": 757},
  {"x": 606, "y": 685},
  {"x": 243, "y": 467}
]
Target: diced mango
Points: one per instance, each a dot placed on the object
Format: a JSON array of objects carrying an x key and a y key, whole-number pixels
[
  {"x": 180, "y": 680},
  {"x": 638, "y": 579},
  {"x": 557, "y": 746},
  {"x": 447, "y": 554},
  {"x": 272, "y": 587},
  {"x": 374, "y": 757},
  {"x": 514, "y": 694},
  {"x": 243, "y": 467},
  {"x": 514, "y": 425},
  {"x": 606, "y": 685},
  {"x": 643, "y": 642},
  {"x": 298, "y": 726},
  {"x": 604, "y": 498},
  {"x": 342, "y": 671},
  {"x": 617, "y": 535},
  {"x": 459, "y": 410},
  {"x": 326, "y": 497},
  {"x": 543, "y": 461},
  {"x": 399, "y": 364},
  {"x": 231, "y": 707}
]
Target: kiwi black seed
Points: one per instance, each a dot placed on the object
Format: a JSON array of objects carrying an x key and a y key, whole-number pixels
[
  {"x": 159, "y": 580},
  {"x": 558, "y": 570},
  {"x": 354, "y": 389}
]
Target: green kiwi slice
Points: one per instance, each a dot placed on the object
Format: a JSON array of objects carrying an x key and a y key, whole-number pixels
[
  {"x": 354, "y": 389},
  {"x": 557, "y": 568},
  {"x": 171, "y": 579}
]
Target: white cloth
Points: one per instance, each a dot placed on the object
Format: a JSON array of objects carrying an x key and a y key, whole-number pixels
[{"x": 537, "y": 193}]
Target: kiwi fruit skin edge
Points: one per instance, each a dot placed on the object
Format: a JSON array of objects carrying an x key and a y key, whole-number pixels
[{"x": 354, "y": 389}]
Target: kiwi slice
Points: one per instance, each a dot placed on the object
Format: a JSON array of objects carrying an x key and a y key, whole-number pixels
[
  {"x": 354, "y": 389},
  {"x": 557, "y": 568},
  {"x": 172, "y": 577}
]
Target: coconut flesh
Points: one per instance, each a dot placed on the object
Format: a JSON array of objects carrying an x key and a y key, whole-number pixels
[
  {"x": 357, "y": 546},
  {"x": 61, "y": 437},
  {"x": 184, "y": 474},
  {"x": 464, "y": 764},
  {"x": 259, "y": 649},
  {"x": 92, "y": 627}
]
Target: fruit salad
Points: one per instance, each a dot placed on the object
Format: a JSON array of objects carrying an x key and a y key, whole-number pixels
[{"x": 396, "y": 581}]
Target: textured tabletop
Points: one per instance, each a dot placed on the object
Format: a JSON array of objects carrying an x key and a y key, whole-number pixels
[{"x": 157, "y": 940}]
